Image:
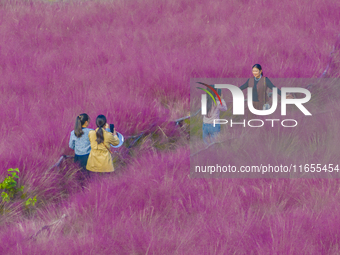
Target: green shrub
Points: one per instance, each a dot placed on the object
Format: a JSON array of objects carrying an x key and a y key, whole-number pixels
[
  {"x": 10, "y": 189},
  {"x": 10, "y": 185}
]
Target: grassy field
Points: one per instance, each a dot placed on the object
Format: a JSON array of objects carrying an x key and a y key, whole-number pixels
[{"x": 132, "y": 61}]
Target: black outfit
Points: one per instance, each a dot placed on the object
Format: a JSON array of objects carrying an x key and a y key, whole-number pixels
[
  {"x": 255, "y": 96},
  {"x": 82, "y": 161}
]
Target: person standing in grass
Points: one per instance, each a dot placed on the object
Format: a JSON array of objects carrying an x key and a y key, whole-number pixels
[
  {"x": 100, "y": 158},
  {"x": 213, "y": 112},
  {"x": 260, "y": 84},
  {"x": 80, "y": 143}
]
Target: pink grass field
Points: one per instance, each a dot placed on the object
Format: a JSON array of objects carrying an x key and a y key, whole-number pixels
[{"x": 132, "y": 61}]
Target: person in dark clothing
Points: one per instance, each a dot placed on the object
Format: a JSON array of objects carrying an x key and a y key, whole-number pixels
[{"x": 260, "y": 85}]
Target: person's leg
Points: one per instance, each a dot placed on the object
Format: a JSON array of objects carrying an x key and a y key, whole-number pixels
[
  {"x": 84, "y": 163},
  {"x": 85, "y": 174},
  {"x": 215, "y": 131},
  {"x": 211, "y": 132},
  {"x": 79, "y": 161},
  {"x": 76, "y": 159},
  {"x": 205, "y": 132}
]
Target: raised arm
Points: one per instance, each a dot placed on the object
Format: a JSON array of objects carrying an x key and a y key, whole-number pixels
[
  {"x": 222, "y": 107},
  {"x": 271, "y": 86},
  {"x": 113, "y": 139},
  {"x": 244, "y": 86}
]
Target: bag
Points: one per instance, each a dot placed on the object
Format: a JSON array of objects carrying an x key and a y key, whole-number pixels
[
  {"x": 266, "y": 106},
  {"x": 108, "y": 149}
]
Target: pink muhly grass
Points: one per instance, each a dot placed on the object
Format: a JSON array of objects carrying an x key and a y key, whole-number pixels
[
  {"x": 156, "y": 207},
  {"x": 133, "y": 62}
]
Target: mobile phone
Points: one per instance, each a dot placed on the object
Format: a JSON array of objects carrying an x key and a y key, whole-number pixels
[{"x": 112, "y": 127}]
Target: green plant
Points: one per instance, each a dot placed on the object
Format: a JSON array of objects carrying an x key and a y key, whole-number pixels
[
  {"x": 9, "y": 185},
  {"x": 31, "y": 201}
]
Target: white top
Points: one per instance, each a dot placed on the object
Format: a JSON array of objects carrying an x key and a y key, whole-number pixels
[{"x": 215, "y": 112}]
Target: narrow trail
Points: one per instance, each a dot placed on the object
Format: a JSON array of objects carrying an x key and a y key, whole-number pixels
[{"x": 135, "y": 138}]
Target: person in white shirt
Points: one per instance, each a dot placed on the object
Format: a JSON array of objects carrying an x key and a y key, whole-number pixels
[
  {"x": 213, "y": 112},
  {"x": 80, "y": 143}
]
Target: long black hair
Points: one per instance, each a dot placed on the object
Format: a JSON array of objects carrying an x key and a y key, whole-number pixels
[
  {"x": 100, "y": 122},
  {"x": 80, "y": 121},
  {"x": 210, "y": 101},
  {"x": 258, "y": 66}
]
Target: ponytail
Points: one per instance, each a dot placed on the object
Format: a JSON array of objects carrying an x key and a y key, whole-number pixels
[
  {"x": 100, "y": 122},
  {"x": 80, "y": 121}
]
